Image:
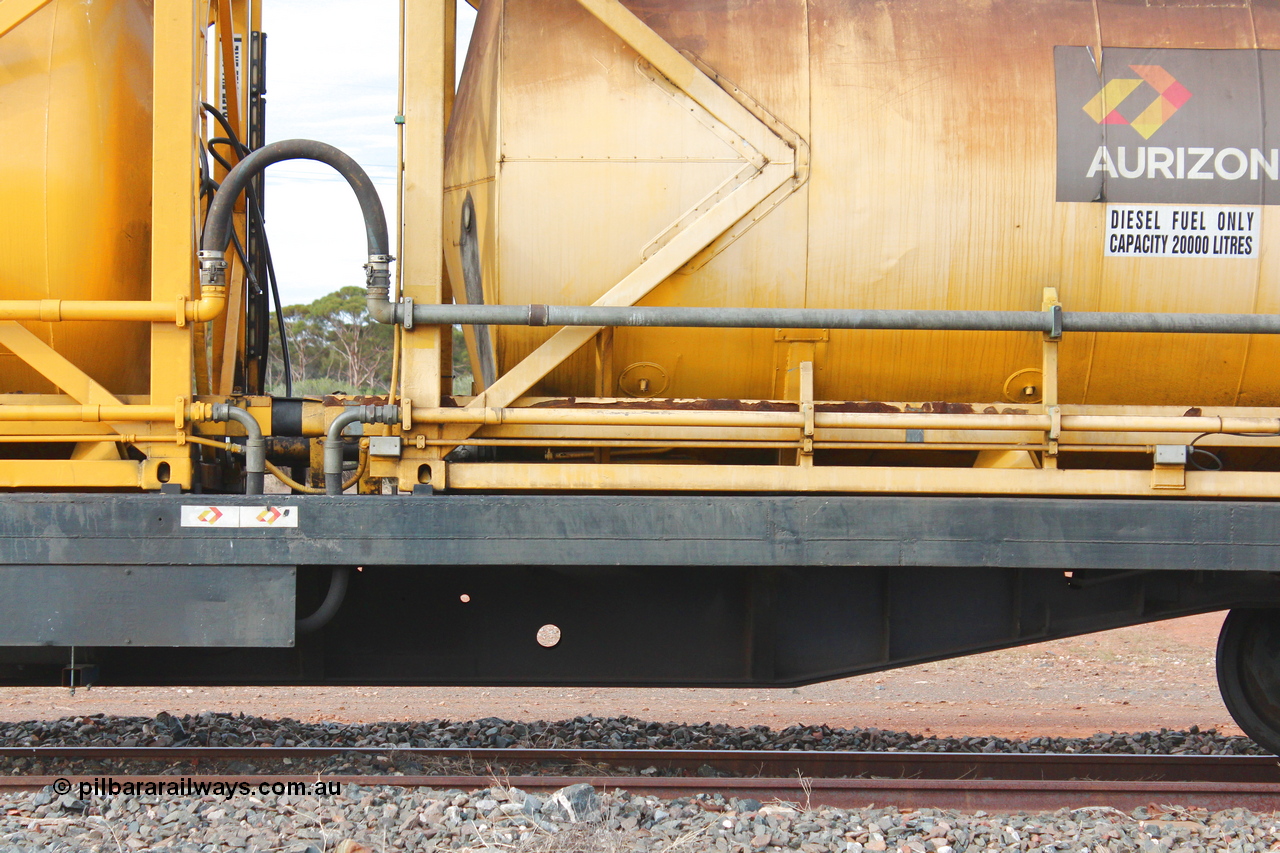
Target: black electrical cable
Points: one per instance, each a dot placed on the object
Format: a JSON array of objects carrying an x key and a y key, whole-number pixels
[
  {"x": 255, "y": 210},
  {"x": 222, "y": 161},
  {"x": 1192, "y": 451}
]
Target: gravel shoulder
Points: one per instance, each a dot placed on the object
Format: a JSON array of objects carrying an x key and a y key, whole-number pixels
[
  {"x": 579, "y": 818},
  {"x": 1143, "y": 678}
]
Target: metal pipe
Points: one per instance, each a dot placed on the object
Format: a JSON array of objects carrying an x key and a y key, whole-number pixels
[
  {"x": 846, "y": 420},
  {"x": 1148, "y": 423},
  {"x": 90, "y": 414},
  {"x": 333, "y": 440},
  {"x": 837, "y": 318},
  {"x": 689, "y": 418},
  {"x": 212, "y": 301},
  {"x": 255, "y": 447}
]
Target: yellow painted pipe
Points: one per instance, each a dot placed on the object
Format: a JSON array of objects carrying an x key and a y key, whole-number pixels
[
  {"x": 722, "y": 444},
  {"x": 89, "y": 414},
  {"x": 70, "y": 438},
  {"x": 607, "y": 417},
  {"x": 591, "y": 443},
  {"x": 1141, "y": 423},
  {"x": 125, "y": 438},
  {"x": 845, "y": 420},
  {"x": 212, "y": 302}
]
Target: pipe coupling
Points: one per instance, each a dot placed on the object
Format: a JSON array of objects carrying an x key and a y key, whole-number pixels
[
  {"x": 377, "y": 279},
  {"x": 213, "y": 269},
  {"x": 378, "y": 414},
  {"x": 378, "y": 275}
]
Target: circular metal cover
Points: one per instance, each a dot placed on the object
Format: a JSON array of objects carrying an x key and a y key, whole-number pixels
[
  {"x": 643, "y": 379},
  {"x": 1025, "y": 386}
]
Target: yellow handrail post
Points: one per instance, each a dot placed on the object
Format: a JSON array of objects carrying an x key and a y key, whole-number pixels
[{"x": 176, "y": 80}]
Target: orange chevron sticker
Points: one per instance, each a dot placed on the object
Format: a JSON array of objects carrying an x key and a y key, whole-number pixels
[{"x": 1103, "y": 107}]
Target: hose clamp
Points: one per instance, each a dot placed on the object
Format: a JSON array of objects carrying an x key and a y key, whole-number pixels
[
  {"x": 377, "y": 273},
  {"x": 213, "y": 268}
]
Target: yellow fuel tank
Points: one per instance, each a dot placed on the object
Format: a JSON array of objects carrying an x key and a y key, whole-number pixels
[
  {"x": 950, "y": 155},
  {"x": 75, "y": 180}
]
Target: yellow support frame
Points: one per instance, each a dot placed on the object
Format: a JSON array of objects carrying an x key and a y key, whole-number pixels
[
  {"x": 90, "y": 411},
  {"x": 428, "y": 46},
  {"x": 178, "y": 71}
]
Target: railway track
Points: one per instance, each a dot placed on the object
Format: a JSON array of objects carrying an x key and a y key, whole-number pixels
[{"x": 965, "y": 781}]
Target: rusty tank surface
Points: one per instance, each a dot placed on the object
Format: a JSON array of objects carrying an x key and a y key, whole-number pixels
[{"x": 949, "y": 157}]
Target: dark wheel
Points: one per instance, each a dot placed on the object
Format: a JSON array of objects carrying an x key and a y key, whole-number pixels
[{"x": 1249, "y": 673}]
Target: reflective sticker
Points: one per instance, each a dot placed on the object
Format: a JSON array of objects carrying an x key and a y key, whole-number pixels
[
  {"x": 268, "y": 516},
  {"x": 1177, "y": 231},
  {"x": 239, "y": 516},
  {"x": 211, "y": 516}
]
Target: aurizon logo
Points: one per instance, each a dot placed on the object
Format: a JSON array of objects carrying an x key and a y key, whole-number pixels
[{"x": 1104, "y": 107}]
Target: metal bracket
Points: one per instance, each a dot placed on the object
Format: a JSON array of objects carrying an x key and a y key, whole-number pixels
[
  {"x": 406, "y": 307},
  {"x": 807, "y": 410},
  {"x": 1049, "y": 373}
]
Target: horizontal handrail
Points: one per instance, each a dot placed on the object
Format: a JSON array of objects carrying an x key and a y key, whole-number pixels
[{"x": 1051, "y": 322}]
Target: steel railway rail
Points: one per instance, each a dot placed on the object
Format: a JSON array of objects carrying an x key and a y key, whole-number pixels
[{"x": 993, "y": 782}]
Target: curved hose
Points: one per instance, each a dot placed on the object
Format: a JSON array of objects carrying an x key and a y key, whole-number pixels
[
  {"x": 338, "y": 580},
  {"x": 217, "y": 231}
]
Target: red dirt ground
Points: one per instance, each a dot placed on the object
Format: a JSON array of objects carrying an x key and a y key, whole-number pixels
[{"x": 1134, "y": 679}]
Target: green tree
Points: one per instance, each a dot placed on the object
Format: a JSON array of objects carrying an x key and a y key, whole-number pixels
[{"x": 335, "y": 346}]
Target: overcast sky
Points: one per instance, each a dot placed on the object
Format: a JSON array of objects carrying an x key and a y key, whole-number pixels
[{"x": 331, "y": 76}]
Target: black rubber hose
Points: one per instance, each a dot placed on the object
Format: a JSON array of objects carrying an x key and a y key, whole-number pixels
[
  {"x": 217, "y": 232},
  {"x": 230, "y": 131},
  {"x": 255, "y": 209},
  {"x": 338, "y": 579},
  {"x": 275, "y": 295}
]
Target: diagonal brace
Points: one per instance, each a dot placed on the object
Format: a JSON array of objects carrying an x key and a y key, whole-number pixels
[{"x": 778, "y": 164}]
